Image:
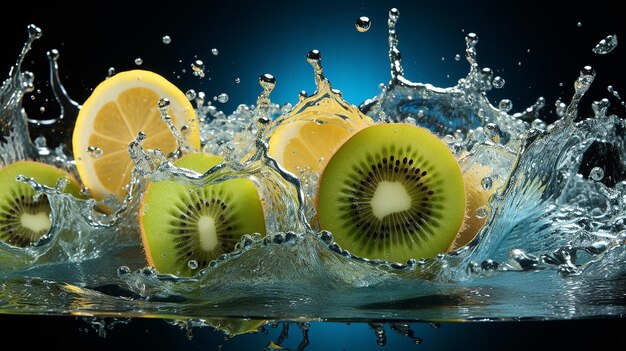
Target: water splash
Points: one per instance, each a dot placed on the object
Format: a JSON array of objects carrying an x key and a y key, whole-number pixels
[
  {"x": 553, "y": 215},
  {"x": 606, "y": 45},
  {"x": 15, "y": 143}
]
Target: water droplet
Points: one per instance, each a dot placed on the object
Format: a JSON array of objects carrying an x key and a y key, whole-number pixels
[
  {"x": 167, "y": 39},
  {"x": 481, "y": 212},
  {"x": 526, "y": 261},
  {"x": 138, "y": 61},
  {"x": 40, "y": 142},
  {"x": 267, "y": 80},
  {"x": 94, "y": 151},
  {"x": 519, "y": 63},
  {"x": 237, "y": 80},
  {"x": 498, "y": 82},
  {"x": 614, "y": 92},
  {"x": 223, "y": 98},
  {"x": 596, "y": 174},
  {"x": 362, "y": 24},
  {"x": 605, "y": 45},
  {"x": 443, "y": 58},
  {"x": 111, "y": 72},
  {"x": 122, "y": 271},
  {"x": 457, "y": 57},
  {"x": 192, "y": 264},
  {"x": 471, "y": 40},
  {"x": 600, "y": 107},
  {"x": 561, "y": 107},
  {"x": 163, "y": 104},
  {"x": 215, "y": 52},
  {"x": 42, "y": 109},
  {"x": 379, "y": 331},
  {"x": 597, "y": 247},
  {"x": 34, "y": 31},
  {"x": 538, "y": 124},
  {"x": 394, "y": 14},
  {"x": 505, "y": 105},
  {"x": 486, "y": 182},
  {"x": 489, "y": 265},
  {"x": 302, "y": 95},
  {"x": 190, "y": 94},
  {"x": 198, "y": 68},
  {"x": 586, "y": 77},
  {"x": 579, "y": 24}
]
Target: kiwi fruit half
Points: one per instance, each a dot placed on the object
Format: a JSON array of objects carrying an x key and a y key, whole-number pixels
[
  {"x": 181, "y": 223},
  {"x": 24, "y": 219},
  {"x": 392, "y": 192}
]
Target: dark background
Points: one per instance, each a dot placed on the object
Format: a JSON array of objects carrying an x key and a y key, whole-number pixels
[{"x": 273, "y": 37}]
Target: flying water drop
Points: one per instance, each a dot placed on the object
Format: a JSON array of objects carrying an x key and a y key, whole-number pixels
[
  {"x": 605, "y": 45},
  {"x": 223, "y": 98},
  {"x": 363, "y": 24},
  {"x": 198, "y": 68}
]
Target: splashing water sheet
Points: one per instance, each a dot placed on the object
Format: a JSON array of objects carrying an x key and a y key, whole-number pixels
[{"x": 550, "y": 246}]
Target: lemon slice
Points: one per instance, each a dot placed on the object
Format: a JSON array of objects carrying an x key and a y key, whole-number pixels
[
  {"x": 117, "y": 110},
  {"x": 307, "y": 136}
]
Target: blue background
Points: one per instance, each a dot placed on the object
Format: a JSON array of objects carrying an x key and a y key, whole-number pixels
[{"x": 273, "y": 37}]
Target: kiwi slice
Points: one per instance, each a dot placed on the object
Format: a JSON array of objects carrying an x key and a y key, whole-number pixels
[
  {"x": 393, "y": 192},
  {"x": 182, "y": 223},
  {"x": 24, "y": 219}
]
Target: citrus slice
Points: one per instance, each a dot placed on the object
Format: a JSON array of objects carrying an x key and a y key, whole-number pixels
[
  {"x": 307, "y": 136},
  {"x": 118, "y": 109}
]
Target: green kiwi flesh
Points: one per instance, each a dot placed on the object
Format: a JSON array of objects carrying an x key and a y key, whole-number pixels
[
  {"x": 392, "y": 192},
  {"x": 24, "y": 219},
  {"x": 180, "y": 223}
]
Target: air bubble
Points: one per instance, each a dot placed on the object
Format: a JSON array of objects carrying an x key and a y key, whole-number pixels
[
  {"x": 190, "y": 94},
  {"x": 498, "y": 82},
  {"x": 486, "y": 183},
  {"x": 505, "y": 105},
  {"x": 363, "y": 24},
  {"x": 192, "y": 264},
  {"x": 122, "y": 271},
  {"x": 596, "y": 174},
  {"x": 223, "y": 98},
  {"x": 481, "y": 212}
]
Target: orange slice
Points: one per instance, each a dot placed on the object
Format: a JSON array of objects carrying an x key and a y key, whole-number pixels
[
  {"x": 307, "y": 136},
  {"x": 117, "y": 110}
]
